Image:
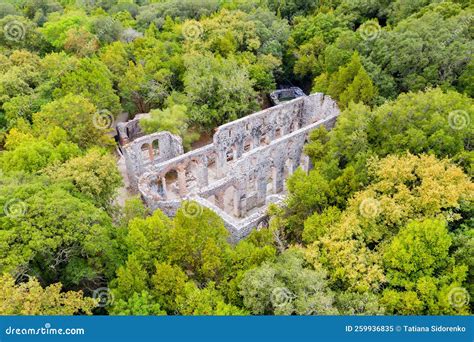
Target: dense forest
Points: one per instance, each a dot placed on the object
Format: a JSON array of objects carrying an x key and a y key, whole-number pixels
[{"x": 381, "y": 225}]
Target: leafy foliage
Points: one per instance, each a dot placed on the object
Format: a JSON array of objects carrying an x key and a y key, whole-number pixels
[
  {"x": 74, "y": 114},
  {"x": 286, "y": 287},
  {"x": 422, "y": 122},
  {"x": 94, "y": 175},
  {"x": 350, "y": 83},
  {"x": 172, "y": 119},
  {"x": 57, "y": 237},
  {"x": 219, "y": 90},
  {"x": 30, "y": 298},
  {"x": 418, "y": 261},
  {"x": 381, "y": 225}
]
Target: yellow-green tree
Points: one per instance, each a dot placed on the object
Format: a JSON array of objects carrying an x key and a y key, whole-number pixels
[
  {"x": 403, "y": 188},
  {"x": 30, "y": 298},
  {"x": 94, "y": 175}
]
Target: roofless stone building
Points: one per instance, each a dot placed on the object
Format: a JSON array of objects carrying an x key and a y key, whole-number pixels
[{"x": 239, "y": 174}]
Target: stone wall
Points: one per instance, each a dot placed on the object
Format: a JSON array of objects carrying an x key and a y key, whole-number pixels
[
  {"x": 241, "y": 172},
  {"x": 130, "y": 130},
  {"x": 146, "y": 151}
]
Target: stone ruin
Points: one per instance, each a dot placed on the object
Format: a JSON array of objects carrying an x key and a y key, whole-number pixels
[
  {"x": 237, "y": 175},
  {"x": 287, "y": 94}
]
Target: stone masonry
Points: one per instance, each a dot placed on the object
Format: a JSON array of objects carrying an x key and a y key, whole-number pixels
[{"x": 239, "y": 174}]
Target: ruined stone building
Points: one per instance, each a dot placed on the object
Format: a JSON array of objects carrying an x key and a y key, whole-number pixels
[{"x": 239, "y": 174}]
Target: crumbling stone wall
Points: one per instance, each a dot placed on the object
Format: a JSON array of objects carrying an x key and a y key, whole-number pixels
[
  {"x": 148, "y": 150},
  {"x": 130, "y": 130},
  {"x": 241, "y": 172}
]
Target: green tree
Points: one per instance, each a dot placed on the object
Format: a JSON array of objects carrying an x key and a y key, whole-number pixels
[
  {"x": 432, "y": 121},
  {"x": 76, "y": 115},
  {"x": 420, "y": 271},
  {"x": 426, "y": 49},
  {"x": 463, "y": 252},
  {"x": 22, "y": 107},
  {"x": 168, "y": 282},
  {"x": 107, "y": 29},
  {"x": 144, "y": 89},
  {"x": 134, "y": 208},
  {"x": 256, "y": 38},
  {"x": 93, "y": 81},
  {"x": 466, "y": 80},
  {"x": 138, "y": 304},
  {"x": 353, "y": 303},
  {"x": 286, "y": 287},
  {"x": 39, "y": 9},
  {"x": 80, "y": 42},
  {"x": 350, "y": 83},
  {"x": 48, "y": 233},
  {"x": 236, "y": 32},
  {"x": 308, "y": 194},
  {"x": 319, "y": 43},
  {"x": 20, "y": 76},
  {"x": 250, "y": 252},
  {"x": 53, "y": 67},
  {"x": 18, "y": 32},
  {"x": 219, "y": 90},
  {"x": 56, "y": 29},
  {"x": 198, "y": 243},
  {"x": 173, "y": 119},
  {"x": 131, "y": 279},
  {"x": 206, "y": 301},
  {"x": 115, "y": 57},
  {"x": 290, "y": 8},
  {"x": 317, "y": 224},
  {"x": 148, "y": 238},
  {"x": 7, "y": 9},
  {"x": 155, "y": 13}
]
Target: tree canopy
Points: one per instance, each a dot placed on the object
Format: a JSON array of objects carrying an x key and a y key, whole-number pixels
[{"x": 381, "y": 224}]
